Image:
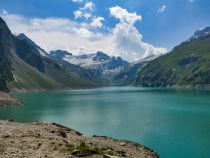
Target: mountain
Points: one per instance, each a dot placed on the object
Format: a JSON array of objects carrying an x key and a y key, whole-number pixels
[
  {"x": 129, "y": 74},
  {"x": 98, "y": 62},
  {"x": 59, "y": 54},
  {"x": 33, "y": 45},
  {"x": 186, "y": 64},
  {"x": 24, "y": 65},
  {"x": 199, "y": 34},
  {"x": 5, "y": 66}
]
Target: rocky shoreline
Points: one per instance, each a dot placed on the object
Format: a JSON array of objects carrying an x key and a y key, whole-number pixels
[
  {"x": 7, "y": 100},
  {"x": 53, "y": 140}
]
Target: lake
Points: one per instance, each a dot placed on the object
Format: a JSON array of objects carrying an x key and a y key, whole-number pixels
[{"x": 173, "y": 122}]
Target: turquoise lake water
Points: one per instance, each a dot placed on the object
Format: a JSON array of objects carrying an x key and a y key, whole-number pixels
[{"x": 175, "y": 123}]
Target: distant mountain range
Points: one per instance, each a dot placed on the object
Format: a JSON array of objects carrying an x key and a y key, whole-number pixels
[
  {"x": 98, "y": 62},
  {"x": 114, "y": 70},
  {"x": 26, "y": 66},
  {"x": 187, "y": 64},
  {"x": 128, "y": 75}
]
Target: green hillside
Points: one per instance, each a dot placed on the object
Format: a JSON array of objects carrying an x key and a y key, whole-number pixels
[{"x": 187, "y": 64}]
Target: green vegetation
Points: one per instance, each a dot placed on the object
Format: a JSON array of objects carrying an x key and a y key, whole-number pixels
[
  {"x": 84, "y": 147},
  {"x": 69, "y": 148},
  {"x": 187, "y": 64}
]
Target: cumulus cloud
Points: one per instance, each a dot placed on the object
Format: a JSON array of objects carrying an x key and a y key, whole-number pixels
[
  {"x": 97, "y": 22},
  {"x": 86, "y": 11},
  {"x": 89, "y": 5},
  {"x": 4, "y": 12},
  {"x": 128, "y": 40},
  {"x": 124, "y": 15},
  {"x": 162, "y": 9},
  {"x": 60, "y": 33},
  {"x": 77, "y": 1},
  {"x": 87, "y": 15},
  {"x": 127, "y": 37},
  {"x": 84, "y": 32},
  {"x": 77, "y": 14}
]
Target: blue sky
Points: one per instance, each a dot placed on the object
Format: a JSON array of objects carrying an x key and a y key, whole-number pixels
[{"x": 158, "y": 23}]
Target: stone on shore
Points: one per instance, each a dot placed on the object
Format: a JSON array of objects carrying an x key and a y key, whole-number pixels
[{"x": 53, "y": 140}]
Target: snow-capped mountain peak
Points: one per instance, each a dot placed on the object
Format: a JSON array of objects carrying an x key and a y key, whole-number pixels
[
  {"x": 146, "y": 59},
  {"x": 98, "y": 61},
  {"x": 60, "y": 54},
  {"x": 200, "y": 33},
  {"x": 100, "y": 56}
]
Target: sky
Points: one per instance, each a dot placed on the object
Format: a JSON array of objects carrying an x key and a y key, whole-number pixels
[{"x": 132, "y": 29}]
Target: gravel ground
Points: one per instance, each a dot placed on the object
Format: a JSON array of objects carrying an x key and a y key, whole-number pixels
[{"x": 40, "y": 140}]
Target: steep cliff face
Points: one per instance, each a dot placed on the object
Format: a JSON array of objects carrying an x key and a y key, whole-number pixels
[
  {"x": 29, "y": 55},
  {"x": 5, "y": 62}
]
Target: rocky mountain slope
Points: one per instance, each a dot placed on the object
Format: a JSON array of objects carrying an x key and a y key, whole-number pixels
[
  {"x": 5, "y": 64},
  {"x": 128, "y": 75},
  {"x": 24, "y": 65},
  {"x": 52, "y": 140},
  {"x": 99, "y": 62},
  {"x": 187, "y": 64},
  {"x": 7, "y": 100}
]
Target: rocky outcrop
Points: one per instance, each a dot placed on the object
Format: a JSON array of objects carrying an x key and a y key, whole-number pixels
[
  {"x": 6, "y": 100},
  {"x": 52, "y": 140}
]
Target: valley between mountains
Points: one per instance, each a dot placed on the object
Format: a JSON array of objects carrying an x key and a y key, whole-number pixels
[{"x": 26, "y": 66}]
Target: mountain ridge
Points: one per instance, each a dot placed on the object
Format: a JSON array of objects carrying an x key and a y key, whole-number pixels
[
  {"x": 200, "y": 33},
  {"x": 24, "y": 67},
  {"x": 187, "y": 64},
  {"x": 99, "y": 62},
  {"x": 129, "y": 74}
]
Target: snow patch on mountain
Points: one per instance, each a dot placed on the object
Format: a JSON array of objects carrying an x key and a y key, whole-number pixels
[
  {"x": 98, "y": 61},
  {"x": 200, "y": 33},
  {"x": 42, "y": 52}
]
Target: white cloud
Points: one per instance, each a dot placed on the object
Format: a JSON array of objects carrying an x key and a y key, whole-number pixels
[
  {"x": 87, "y": 15},
  {"x": 86, "y": 11},
  {"x": 4, "y": 12},
  {"x": 84, "y": 32},
  {"x": 124, "y": 15},
  {"x": 97, "y": 22},
  {"x": 77, "y": 14},
  {"x": 128, "y": 39},
  {"x": 162, "y": 9},
  {"x": 82, "y": 14},
  {"x": 89, "y": 5},
  {"x": 61, "y": 33},
  {"x": 77, "y": 1}
]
